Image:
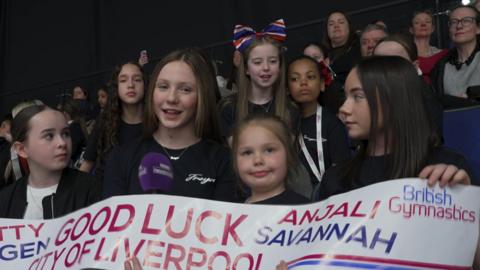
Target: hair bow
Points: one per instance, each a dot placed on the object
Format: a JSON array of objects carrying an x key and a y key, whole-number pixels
[
  {"x": 326, "y": 73},
  {"x": 244, "y": 35}
]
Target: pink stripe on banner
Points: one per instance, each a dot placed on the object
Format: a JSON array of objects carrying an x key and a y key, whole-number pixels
[{"x": 380, "y": 260}]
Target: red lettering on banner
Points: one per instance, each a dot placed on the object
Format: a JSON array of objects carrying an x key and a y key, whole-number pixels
[
  {"x": 355, "y": 209},
  {"x": 74, "y": 236},
  {"x": 56, "y": 256},
  {"x": 146, "y": 222},
  {"x": 108, "y": 212},
  {"x": 85, "y": 250},
  {"x": 151, "y": 253},
  {"x": 186, "y": 228},
  {"x": 229, "y": 229},
  {"x": 99, "y": 257},
  {"x": 169, "y": 257},
  {"x": 131, "y": 211},
  {"x": 66, "y": 233},
  {"x": 17, "y": 230},
  {"x": 198, "y": 227},
  {"x": 375, "y": 207},
  {"x": 191, "y": 262},
  {"x": 219, "y": 254},
  {"x": 291, "y": 217},
  {"x": 36, "y": 230},
  {"x": 341, "y": 210}
]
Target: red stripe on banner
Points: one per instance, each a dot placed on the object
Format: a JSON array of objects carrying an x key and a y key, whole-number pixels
[{"x": 380, "y": 260}]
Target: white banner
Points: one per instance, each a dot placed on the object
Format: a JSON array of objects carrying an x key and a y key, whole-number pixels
[{"x": 399, "y": 224}]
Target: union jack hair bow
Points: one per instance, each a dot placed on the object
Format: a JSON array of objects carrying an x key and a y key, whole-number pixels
[{"x": 244, "y": 35}]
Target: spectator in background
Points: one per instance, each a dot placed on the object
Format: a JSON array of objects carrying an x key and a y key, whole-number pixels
[
  {"x": 380, "y": 23},
  {"x": 402, "y": 45},
  {"x": 102, "y": 97},
  {"x": 80, "y": 94},
  {"x": 342, "y": 43},
  {"x": 460, "y": 69},
  {"x": 5, "y": 144},
  {"x": 421, "y": 28},
  {"x": 122, "y": 121},
  {"x": 78, "y": 130},
  {"x": 316, "y": 51},
  {"x": 369, "y": 38}
]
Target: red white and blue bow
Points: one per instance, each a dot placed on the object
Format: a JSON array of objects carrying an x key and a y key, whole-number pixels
[{"x": 244, "y": 35}]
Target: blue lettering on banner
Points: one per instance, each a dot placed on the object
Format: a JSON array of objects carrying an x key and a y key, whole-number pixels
[
  {"x": 26, "y": 250},
  {"x": 334, "y": 232},
  {"x": 426, "y": 195}
]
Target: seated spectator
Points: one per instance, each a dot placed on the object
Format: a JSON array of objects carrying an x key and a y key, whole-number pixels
[
  {"x": 421, "y": 28},
  {"x": 369, "y": 38},
  {"x": 403, "y": 46},
  {"x": 460, "y": 69},
  {"x": 342, "y": 43},
  {"x": 316, "y": 51},
  {"x": 78, "y": 130},
  {"x": 5, "y": 145}
]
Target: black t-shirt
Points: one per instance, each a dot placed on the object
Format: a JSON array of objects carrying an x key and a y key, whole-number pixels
[
  {"x": 126, "y": 134},
  {"x": 335, "y": 141},
  {"x": 287, "y": 197},
  {"x": 203, "y": 171},
  {"x": 228, "y": 114},
  {"x": 373, "y": 170}
]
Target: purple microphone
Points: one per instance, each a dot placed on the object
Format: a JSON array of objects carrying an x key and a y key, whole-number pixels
[{"x": 155, "y": 173}]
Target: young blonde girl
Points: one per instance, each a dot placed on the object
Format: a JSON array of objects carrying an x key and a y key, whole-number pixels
[
  {"x": 266, "y": 165},
  {"x": 261, "y": 78}
]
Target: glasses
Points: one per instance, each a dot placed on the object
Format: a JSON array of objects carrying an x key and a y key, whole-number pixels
[{"x": 465, "y": 21}]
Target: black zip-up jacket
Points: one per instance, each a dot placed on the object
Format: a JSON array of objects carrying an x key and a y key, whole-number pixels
[{"x": 75, "y": 190}]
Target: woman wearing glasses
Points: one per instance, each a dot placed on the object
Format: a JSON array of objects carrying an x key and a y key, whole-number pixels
[{"x": 460, "y": 69}]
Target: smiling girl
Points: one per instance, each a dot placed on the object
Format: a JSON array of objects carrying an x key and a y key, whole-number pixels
[
  {"x": 267, "y": 164},
  {"x": 181, "y": 123},
  {"x": 261, "y": 78},
  {"x": 41, "y": 135}
]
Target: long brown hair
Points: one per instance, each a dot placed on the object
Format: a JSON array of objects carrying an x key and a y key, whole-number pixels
[
  {"x": 393, "y": 89},
  {"x": 206, "y": 120},
  {"x": 244, "y": 83},
  {"x": 111, "y": 116}
]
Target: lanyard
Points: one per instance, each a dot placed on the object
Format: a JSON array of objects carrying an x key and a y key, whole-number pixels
[{"x": 321, "y": 164}]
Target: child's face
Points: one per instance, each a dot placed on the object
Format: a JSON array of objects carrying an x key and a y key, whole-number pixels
[
  {"x": 304, "y": 82},
  {"x": 48, "y": 144},
  {"x": 130, "y": 85},
  {"x": 175, "y": 96},
  {"x": 262, "y": 162},
  {"x": 355, "y": 112},
  {"x": 102, "y": 98},
  {"x": 78, "y": 93},
  {"x": 263, "y": 66},
  {"x": 314, "y": 52}
]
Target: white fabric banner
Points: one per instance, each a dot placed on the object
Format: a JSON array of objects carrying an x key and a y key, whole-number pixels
[{"x": 401, "y": 224}]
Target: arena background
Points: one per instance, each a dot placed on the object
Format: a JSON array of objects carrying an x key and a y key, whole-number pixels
[{"x": 47, "y": 47}]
